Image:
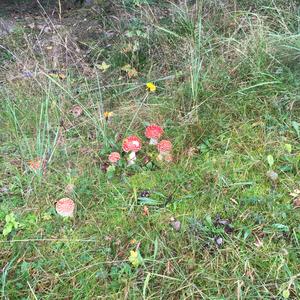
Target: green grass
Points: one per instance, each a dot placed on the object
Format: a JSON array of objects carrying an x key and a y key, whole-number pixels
[{"x": 227, "y": 96}]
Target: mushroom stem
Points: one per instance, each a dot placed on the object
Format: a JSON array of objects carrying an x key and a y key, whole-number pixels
[
  {"x": 131, "y": 158},
  {"x": 153, "y": 141}
]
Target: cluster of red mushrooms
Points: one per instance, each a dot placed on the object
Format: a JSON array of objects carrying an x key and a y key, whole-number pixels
[
  {"x": 65, "y": 207},
  {"x": 133, "y": 144}
]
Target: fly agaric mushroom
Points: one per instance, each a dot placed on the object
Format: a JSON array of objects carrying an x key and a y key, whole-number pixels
[
  {"x": 114, "y": 157},
  {"x": 164, "y": 147},
  {"x": 153, "y": 132},
  {"x": 169, "y": 158},
  {"x": 132, "y": 144},
  {"x": 65, "y": 207}
]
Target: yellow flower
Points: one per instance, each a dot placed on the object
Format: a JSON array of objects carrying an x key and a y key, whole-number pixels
[
  {"x": 108, "y": 114},
  {"x": 151, "y": 87}
]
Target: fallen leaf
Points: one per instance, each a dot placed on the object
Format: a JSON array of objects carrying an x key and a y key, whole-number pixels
[
  {"x": 169, "y": 268},
  {"x": 103, "y": 67},
  {"x": 61, "y": 76},
  {"x": 145, "y": 210},
  {"x": 108, "y": 238},
  {"x": 258, "y": 242},
  {"x": 295, "y": 193},
  {"x": 218, "y": 241},
  {"x": 46, "y": 217},
  {"x": 128, "y": 48},
  {"x": 31, "y": 25},
  {"x": 192, "y": 151},
  {"x": 220, "y": 221},
  {"x": 132, "y": 242},
  {"x": 56, "y": 74},
  {"x": 69, "y": 189},
  {"x": 296, "y": 203},
  {"x": 131, "y": 72}
]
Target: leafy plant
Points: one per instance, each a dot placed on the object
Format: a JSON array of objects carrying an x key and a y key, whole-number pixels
[
  {"x": 10, "y": 224},
  {"x": 135, "y": 258}
]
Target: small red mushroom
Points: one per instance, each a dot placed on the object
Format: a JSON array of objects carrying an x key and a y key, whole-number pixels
[
  {"x": 169, "y": 158},
  {"x": 153, "y": 132},
  {"x": 132, "y": 144},
  {"x": 65, "y": 207},
  {"x": 114, "y": 157},
  {"x": 37, "y": 164},
  {"x": 164, "y": 147}
]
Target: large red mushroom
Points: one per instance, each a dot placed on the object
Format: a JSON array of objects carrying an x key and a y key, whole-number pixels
[
  {"x": 65, "y": 207},
  {"x": 132, "y": 144},
  {"x": 153, "y": 132}
]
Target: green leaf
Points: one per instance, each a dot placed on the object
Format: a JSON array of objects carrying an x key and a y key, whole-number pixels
[
  {"x": 286, "y": 294},
  {"x": 247, "y": 232},
  {"x": 148, "y": 201},
  {"x": 9, "y": 218},
  {"x": 208, "y": 220},
  {"x": 103, "y": 67},
  {"x": 146, "y": 283},
  {"x": 7, "y": 229},
  {"x": 288, "y": 147},
  {"x": 111, "y": 169},
  {"x": 270, "y": 160},
  {"x": 280, "y": 227}
]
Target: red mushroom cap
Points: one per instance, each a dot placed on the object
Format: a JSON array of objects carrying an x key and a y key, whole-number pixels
[
  {"x": 132, "y": 143},
  {"x": 114, "y": 157},
  {"x": 153, "y": 132},
  {"x": 37, "y": 164},
  {"x": 65, "y": 207},
  {"x": 164, "y": 146}
]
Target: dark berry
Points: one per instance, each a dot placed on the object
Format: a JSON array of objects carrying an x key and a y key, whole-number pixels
[{"x": 145, "y": 194}]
